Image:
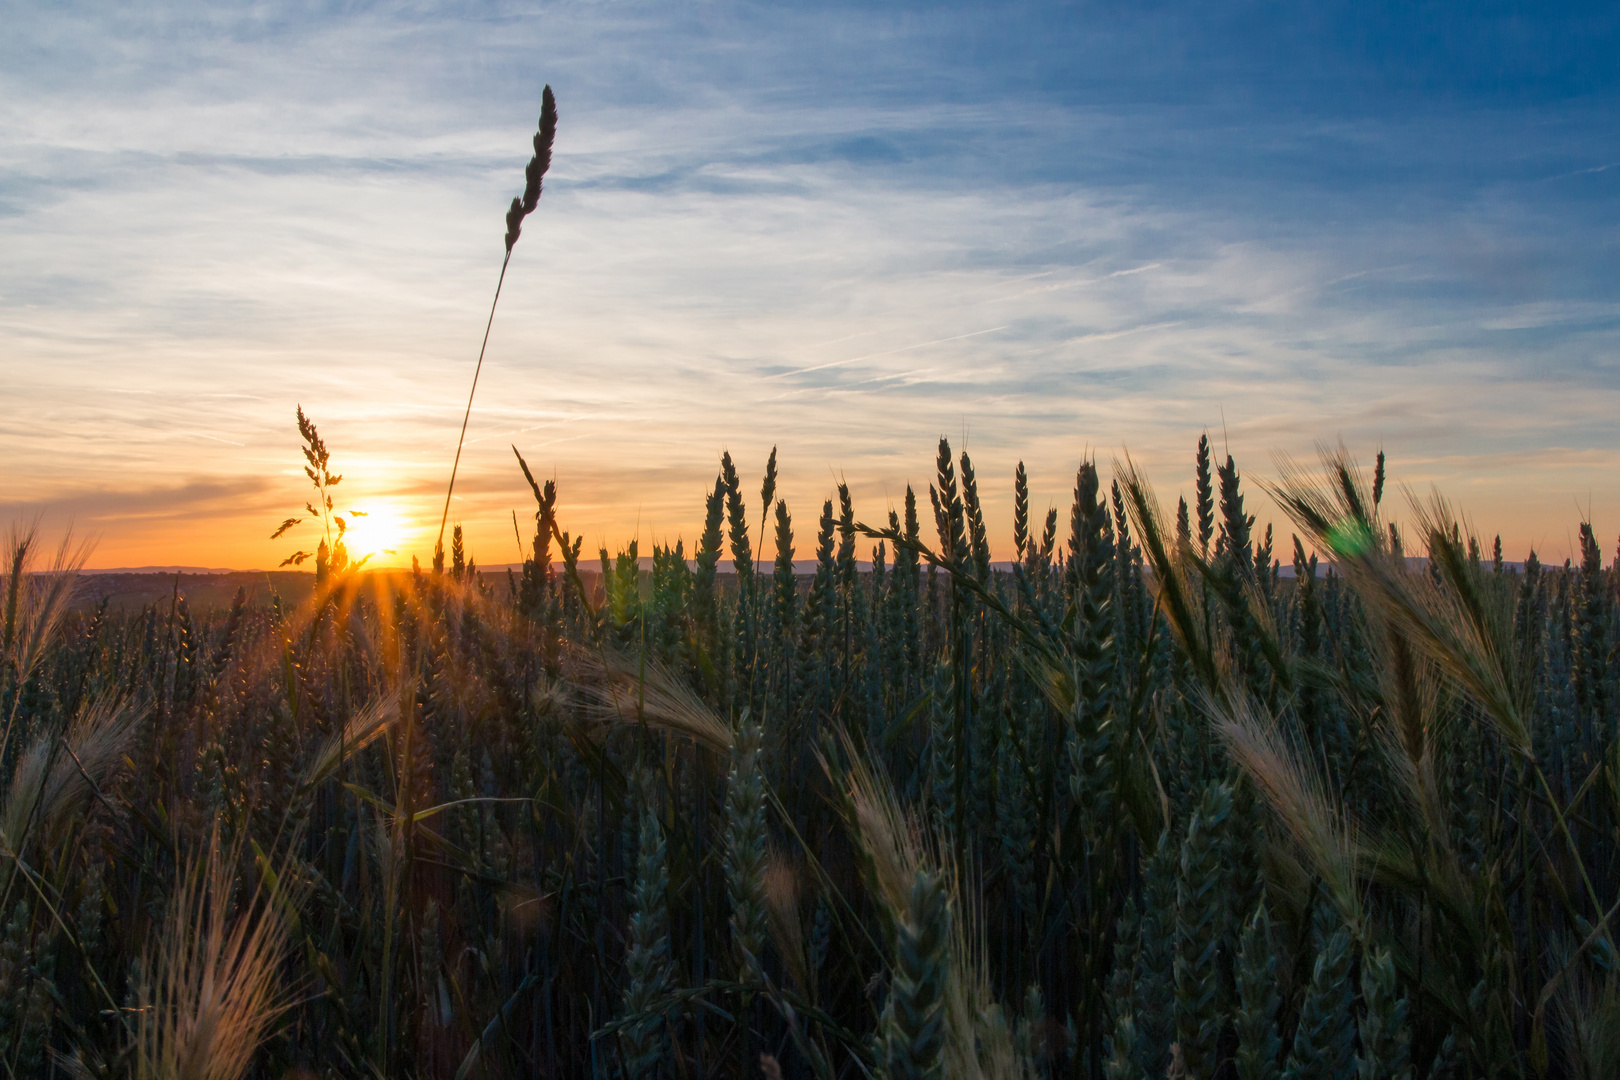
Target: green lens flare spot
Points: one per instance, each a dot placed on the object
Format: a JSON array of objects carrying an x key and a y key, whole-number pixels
[{"x": 1350, "y": 539}]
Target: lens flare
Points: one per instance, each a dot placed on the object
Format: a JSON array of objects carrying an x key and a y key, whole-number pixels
[{"x": 376, "y": 535}]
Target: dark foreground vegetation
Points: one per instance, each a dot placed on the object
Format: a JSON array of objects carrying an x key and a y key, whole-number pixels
[
  {"x": 204, "y": 591},
  {"x": 1142, "y": 806}
]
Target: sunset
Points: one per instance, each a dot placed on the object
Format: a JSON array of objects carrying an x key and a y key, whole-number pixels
[
  {"x": 891, "y": 541},
  {"x": 1055, "y": 232}
]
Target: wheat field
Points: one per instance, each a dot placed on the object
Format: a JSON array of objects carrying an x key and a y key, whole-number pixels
[{"x": 1136, "y": 804}]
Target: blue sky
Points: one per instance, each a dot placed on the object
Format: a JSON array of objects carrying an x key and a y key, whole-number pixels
[{"x": 1049, "y": 229}]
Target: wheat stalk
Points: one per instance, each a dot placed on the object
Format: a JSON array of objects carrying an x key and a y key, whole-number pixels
[{"x": 521, "y": 208}]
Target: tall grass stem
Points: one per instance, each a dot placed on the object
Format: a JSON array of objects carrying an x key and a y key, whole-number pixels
[{"x": 438, "y": 545}]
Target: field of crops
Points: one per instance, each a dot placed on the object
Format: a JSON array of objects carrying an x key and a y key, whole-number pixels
[{"x": 1137, "y": 805}]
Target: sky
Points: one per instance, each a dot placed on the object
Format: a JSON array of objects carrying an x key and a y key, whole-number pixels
[{"x": 1045, "y": 231}]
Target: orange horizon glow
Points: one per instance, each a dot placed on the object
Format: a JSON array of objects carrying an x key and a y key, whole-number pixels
[
  {"x": 838, "y": 234},
  {"x": 608, "y": 508}
]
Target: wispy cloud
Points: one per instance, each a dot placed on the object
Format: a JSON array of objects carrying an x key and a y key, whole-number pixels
[
  {"x": 842, "y": 229},
  {"x": 886, "y": 352}
]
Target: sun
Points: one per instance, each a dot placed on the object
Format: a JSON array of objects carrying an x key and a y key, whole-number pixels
[{"x": 375, "y": 535}]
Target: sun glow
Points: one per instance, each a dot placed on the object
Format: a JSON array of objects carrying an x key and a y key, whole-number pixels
[{"x": 378, "y": 536}]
